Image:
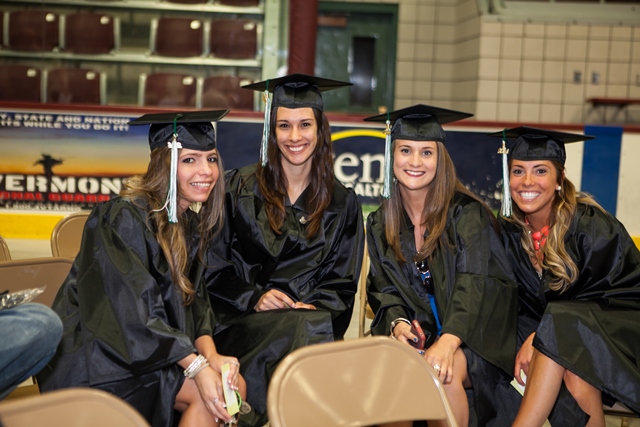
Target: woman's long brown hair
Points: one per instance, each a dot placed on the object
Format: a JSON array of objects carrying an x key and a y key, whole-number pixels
[
  {"x": 442, "y": 189},
  {"x": 152, "y": 188},
  {"x": 273, "y": 184}
]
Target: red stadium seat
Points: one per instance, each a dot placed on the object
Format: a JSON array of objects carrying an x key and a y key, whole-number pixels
[
  {"x": 90, "y": 33},
  {"x": 75, "y": 86},
  {"x": 33, "y": 30},
  {"x": 168, "y": 90},
  {"x": 225, "y": 92},
  {"x": 181, "y": 37},
  {"x": 234, "y": 38},
  {"x": 20, "y": 83}
]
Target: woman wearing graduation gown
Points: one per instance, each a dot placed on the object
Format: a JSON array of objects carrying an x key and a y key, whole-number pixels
[
  {"x": 579, "y": 277},
  {"x": 294, "y": 239},
  {"x": 136, "y": 317},
  {"x": 436, "y": 258}
]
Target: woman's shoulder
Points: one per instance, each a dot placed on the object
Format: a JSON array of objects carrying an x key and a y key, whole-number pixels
[
  {"x": 590, "y": 217},
  {"x": 120, "y": 210},
  {"x": 241, "y": 178},
  {"x": 464, "y": 204},
  {"x": 343, "y": 197}
]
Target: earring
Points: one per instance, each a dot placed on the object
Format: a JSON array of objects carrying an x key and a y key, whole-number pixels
[
  {"x": 558, "y": 188},
  {"x": 395, "y": 180}
]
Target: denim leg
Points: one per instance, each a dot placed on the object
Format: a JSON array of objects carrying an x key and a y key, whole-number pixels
[{"x": 30, "y": 334}]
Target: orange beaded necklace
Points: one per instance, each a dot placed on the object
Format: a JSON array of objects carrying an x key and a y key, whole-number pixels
[{"x": 539, "y": 237}]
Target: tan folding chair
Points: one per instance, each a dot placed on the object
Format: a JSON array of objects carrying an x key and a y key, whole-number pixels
[
  {"x": 5, "y": 255},
  {"x": 365, "y": 311},
  {"x": 67, "y": 235},
  {"x": 74, "y": 407},
  {"x": 357, "y": 382},
  {"x": 29, "y": 273}
]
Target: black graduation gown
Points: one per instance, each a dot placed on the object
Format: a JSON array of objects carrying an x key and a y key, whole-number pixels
[
  {"x": 593, "y": 328},
  {"x": 250, "y": 259},
  {"x": 475, "y": 294},
  {"x": 125, "y": 325}
]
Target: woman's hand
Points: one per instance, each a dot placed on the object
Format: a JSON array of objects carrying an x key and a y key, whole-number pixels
[
  {"x": 523, "y": 359},
  {"x": 402, "y": 333},
  {"x": 300, "y": 304},
  {"x": 273, "y": 300},
  {"x": 216, "y": 361},
  {"x": 440, "y": 356},
  {"x": 209, "y": 383}
]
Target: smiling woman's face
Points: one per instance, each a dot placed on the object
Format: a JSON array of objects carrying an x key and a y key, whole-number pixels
[
  {"x": 415, "y": 163},
  {"x": 533, "y": 187}
]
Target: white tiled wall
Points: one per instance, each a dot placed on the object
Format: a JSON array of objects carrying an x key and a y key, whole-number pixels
[{"x": 451, "y": 56}]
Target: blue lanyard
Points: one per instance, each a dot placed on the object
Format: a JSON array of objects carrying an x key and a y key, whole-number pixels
[{"x": 426, "y": 276}]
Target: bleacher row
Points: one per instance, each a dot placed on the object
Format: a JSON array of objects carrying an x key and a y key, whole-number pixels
[
  {"x": 98, "y": 34},
  {"x": 23, "y": 83},
  {"x": 35, "y": 30}
]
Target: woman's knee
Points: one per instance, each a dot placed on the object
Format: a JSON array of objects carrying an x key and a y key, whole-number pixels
[{"x": 582, "y": 391}]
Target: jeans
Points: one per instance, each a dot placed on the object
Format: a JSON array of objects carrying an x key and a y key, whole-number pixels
[{"x": 29, "y": 336}]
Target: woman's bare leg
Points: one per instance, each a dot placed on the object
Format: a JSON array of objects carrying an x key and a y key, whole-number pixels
[
  {"x": 588, "y": 397},
  {"x": 542, "y": 388},
  {"x": 455, "y": 389},
  {"x": 194, "y": 411}
]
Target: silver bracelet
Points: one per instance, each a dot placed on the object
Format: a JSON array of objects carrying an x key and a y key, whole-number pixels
[
  {"x": 198, "y": 364},
  {"x": 395, "y": 322}
]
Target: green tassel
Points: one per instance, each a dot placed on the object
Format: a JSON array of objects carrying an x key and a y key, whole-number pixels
[
  {"x": 506, "y": 209},
  {"x": 265, "y": 130},
  {"x": 172, "y": 208},
  {"x": 386, "y": 187},
  {"x": 170, "y": 203}
]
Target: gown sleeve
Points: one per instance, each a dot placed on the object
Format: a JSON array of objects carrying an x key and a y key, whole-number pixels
[
  {"x": 124, "y": 298},
  {"x": 482, "y": 298},
  {"x": 386, "y": 281}
]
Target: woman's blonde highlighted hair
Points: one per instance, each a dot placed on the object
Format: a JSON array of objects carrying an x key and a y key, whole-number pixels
[
  {"x": 556, "y": 260},
  {"x": 172, "y": 238}
]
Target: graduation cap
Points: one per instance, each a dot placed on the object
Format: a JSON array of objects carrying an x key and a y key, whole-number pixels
[
  {"x": 192, "y": 130},
  {"x": 532, "y": 144},
  {"x": 291, "y": 91},
  {"x": 416, "y": 123}
]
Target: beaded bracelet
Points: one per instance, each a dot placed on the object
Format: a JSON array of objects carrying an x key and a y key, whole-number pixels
[{"x": 198, "y": 364}]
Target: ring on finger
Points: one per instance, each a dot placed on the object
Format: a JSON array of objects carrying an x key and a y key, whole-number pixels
[
  {"x": 235, "y": 362},
  {"x": 436, "y": 367}
]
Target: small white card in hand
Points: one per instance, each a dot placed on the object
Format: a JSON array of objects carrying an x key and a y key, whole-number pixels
[
  {"x": 517, "y": 385},
  {"x": 230, "y": 397}
]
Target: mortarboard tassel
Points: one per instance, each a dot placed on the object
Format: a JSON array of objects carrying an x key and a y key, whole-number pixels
[
  {"x": 265, "y": 130},
  {"x": 171, "y": 201},
  {"x": 386, "y": 187},
  {"x": 172, "y": 208},
  {"x": 506, "y": 194}
]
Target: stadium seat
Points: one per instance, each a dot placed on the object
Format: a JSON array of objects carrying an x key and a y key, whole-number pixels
[
  {"x": 75, "y": 86},
  {"x": 234, "y": 38},
  {"x": 178, "y": 37},
  {"x": 20, "y": 83},
  {"x": 226, "y": 92},
  {"x": 168, "y": 90},
  {"x": 32, "y": 30},
  {"x": 90, "y": 33}
]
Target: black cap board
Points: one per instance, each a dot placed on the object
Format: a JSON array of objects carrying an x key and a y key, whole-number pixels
[
  {"x": 194, "y": 129},
  {"x": 419, "y": 122}
]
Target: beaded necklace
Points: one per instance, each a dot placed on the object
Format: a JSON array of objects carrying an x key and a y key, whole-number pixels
[{"x": 539, "y": 237}]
